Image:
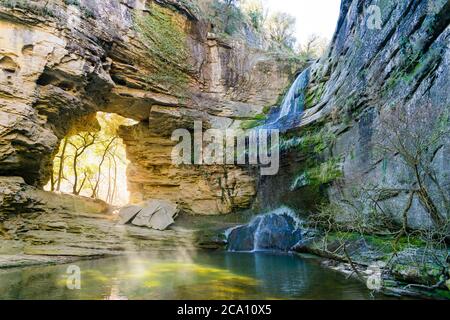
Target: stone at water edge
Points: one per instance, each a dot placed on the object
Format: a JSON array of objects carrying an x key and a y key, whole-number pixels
[
  {"x": 171, "y": 211},
  {"x": 277, "y": 232},
  {"x": 142, "y": 219},
  {"x": 161, "y": 221},
  {"x": 266, "y": 232},
  {"x": 128, "y": 213},
  {"x": 156, "y": 214},
  {"x": 242, "y": 238}
]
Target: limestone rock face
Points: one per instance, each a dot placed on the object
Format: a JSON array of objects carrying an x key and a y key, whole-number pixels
[
  {"x": 60, "y": 63},
  {"x": 62, "y": 236},
  {"x": 367, "y": 72},
  {"x": 197, "y": 189}
]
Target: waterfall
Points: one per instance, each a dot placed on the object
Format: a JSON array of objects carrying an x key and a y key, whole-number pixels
[
  {"x": 257, "y": 235},
  {"x": 278, "y": 230},
  {"x": 292, "y": 107},
  {"x": 293, "y": 102}
]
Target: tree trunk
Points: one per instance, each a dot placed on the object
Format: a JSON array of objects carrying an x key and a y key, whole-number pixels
[
  {"x": 78, "y": 152},
  {"x": 82, "y": 184},
  {"x": 115, "y": 180},
  {"x": 75, "y": 173},
  {"x": 61, "y": 165},
  {"x": 108, "y": 194},
  {"x": 426, "y": 199},
  {"x": 52, "y": 181},
  {"x": 97, "y": 183}
]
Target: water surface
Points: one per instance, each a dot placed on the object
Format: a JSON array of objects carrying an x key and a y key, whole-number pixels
[{"x": 183, "y": 275}]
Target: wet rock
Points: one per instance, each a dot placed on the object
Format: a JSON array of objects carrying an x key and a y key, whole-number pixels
[
  {"x": 417, "y": 265},
  {"x": 376, "y": 257},
  {"x": 242, "y": 238},
  {"x": 277, "y": 232},
  {"x": 211, "y": 239},
  {"x": 267, "y": 232},
  {"x": 23, "y": 260}
]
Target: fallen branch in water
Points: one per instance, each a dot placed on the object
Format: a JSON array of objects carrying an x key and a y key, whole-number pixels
[{"x": 352, "y": 263}]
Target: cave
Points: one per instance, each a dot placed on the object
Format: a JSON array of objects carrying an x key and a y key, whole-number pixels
[{"x": 93, "y": 163}]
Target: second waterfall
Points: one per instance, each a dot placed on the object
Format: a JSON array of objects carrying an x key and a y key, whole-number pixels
[{"x": 279, "y": 230}]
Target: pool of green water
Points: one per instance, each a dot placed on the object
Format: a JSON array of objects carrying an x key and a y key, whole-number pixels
[{"x": 184, "y": 275}]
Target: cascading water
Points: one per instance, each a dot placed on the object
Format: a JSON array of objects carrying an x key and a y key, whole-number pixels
[
  {"x": 289, "y": 113},
  {"x": 278, "y": 230}
]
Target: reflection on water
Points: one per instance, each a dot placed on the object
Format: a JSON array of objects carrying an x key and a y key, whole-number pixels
[{"x": 201, "y": 275}]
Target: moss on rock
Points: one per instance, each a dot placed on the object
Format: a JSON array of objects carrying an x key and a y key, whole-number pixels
[{"x": 163, "y": 34}]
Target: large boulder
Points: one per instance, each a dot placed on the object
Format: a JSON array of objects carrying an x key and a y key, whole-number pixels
[
  {"x": 128, "y": 213},
  {"x": 277, "y": 232},
  {"x": 243, "y": 238},
  {"x": 143, "y": 218},
  {"x": 272, "y": 232},
  {"x": 154, "y": 214}
]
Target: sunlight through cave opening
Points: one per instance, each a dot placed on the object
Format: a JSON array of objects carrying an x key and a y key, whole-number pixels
[{"x": 93, "y": 163}]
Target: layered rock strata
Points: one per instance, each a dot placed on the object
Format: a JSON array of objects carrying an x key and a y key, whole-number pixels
[{"x": 152, "y": 61}]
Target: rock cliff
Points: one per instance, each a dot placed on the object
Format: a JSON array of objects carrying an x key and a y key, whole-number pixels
[
  {"x": 156, "y": 62},
  {"x": 378, "y": 101}
]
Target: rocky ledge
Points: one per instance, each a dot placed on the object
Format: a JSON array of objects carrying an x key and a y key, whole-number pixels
[{"x": 63, "y": 228}]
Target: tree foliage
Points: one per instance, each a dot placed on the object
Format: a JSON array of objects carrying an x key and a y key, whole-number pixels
[
  {"x": 275, "y": 29},
  {"x": 313, "y": 48},
  {"x": 281, "y": 29},
  {"x": 255, "y": 12}
]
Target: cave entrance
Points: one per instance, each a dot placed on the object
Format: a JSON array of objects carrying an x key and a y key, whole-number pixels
[{"x": 93, "y": 163}]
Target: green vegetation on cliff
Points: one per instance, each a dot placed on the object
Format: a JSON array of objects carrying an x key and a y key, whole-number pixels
[
  {"x": 320, "y": 166},
  {"x": 166, "y": 41},
  {"x": 257, "y": 121}
]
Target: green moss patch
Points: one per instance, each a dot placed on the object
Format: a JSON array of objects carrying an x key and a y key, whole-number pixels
[
  {"x": 166, "y": 42},
  {"x": 314, "y": 95},
  {"x": 257, "y": 121}
]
